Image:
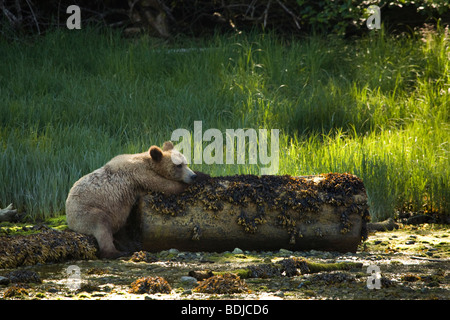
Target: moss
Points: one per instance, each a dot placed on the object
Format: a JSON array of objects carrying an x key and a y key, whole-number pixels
[
  {"x": 242, "y": 273},
  {"x": 8, "y": 228},
  {"x": 26, "y": 228},
  {"x": 40, "y": 295},
  {"x": 58, "y": 223}
]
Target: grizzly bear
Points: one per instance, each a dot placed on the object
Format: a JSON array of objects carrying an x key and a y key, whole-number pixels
[{"x": 100, "y": 202}]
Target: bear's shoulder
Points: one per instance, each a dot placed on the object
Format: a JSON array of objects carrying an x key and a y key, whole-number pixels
[{"x": 125, "y": 162}]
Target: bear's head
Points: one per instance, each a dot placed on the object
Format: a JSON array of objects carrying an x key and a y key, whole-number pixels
[{"x": 171, "y": 164}]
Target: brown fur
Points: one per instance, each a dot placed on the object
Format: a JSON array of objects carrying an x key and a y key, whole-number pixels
[{"x": 100, "y": 202}]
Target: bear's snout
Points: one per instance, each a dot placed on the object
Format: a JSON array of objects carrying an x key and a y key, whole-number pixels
[{"x": 190, "y": 178}]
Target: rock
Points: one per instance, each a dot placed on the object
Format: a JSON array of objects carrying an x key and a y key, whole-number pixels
[
  {"x": 9, "y": 214},
  {"x": 419, "y": 219},
  {"x": 164, "y": 253},
  {"x": 24, "y": 276},
  {"x": 410, "y": 242},
  {"x": 387, "y": 225},
  {"x": 279, "y": 294},
  {"x": 173, "y": 251},
  {"x": 201, "y": 274},
  {"x": 327, "y": 255},
  {"x": 186, "y": 292},
  {"x": 4, "y": 280},
  {"x": 237, "y": 251},
  {"x": 285, "y": 252},
  {"x": 188, "y": 281}
]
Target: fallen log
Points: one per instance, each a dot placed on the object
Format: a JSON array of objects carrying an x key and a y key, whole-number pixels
[
  {"x": 325, "y": 212},
  {"x": 8, "y": 214}
]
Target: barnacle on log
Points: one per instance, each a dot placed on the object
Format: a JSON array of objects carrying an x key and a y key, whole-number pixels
[{"x": 323, "y": 212}]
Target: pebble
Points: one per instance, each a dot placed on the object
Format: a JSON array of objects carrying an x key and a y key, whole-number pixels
[
  {"x": 285, "y": 252},
  {"x": 327, "y": 255},
  {"x": 279, "y": 294},
  {"x": 174, "y": 251},
  {"x": 186, "y": 292},
  {"x": 188, "y": 281},
  {"x": 237, "y": 251},
  {"x": 410, "y": 242},
  {"x": 164, "y": 253}
]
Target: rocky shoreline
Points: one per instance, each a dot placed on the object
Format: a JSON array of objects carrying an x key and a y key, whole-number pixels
[{"x": 413, "y": 263}]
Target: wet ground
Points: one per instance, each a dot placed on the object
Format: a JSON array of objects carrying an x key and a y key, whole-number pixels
[{"x": 409, "y": 263}]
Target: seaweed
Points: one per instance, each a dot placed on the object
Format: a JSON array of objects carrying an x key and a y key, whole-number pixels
[
  {"x": 150, "y": 285},
  {"x": 226, "y": 283},
  {"x": 47, "y": 246}
]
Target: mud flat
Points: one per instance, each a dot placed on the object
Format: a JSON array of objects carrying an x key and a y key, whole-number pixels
[{"x": 418, "y": 270}]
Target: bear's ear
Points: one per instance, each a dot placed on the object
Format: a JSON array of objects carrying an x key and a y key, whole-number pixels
[
  {"x": 168, "y": 145},
  {"x": 156, "y": 153}
]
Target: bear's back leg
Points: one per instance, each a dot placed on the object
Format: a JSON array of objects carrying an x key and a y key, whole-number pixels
[{"x": 104, "y": 236}]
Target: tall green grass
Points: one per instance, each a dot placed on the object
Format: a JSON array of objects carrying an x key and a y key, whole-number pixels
[{"x": 377, "y": 107}]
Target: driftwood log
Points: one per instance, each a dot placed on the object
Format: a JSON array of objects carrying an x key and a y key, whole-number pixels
[
  {"x": 324, "y": 212},
  {"x": 386, "y": 225},
  {"x": 8, "y": 214}
]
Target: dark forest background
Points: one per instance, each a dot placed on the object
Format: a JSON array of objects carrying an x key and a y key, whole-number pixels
[{"x": 166, "y": 18}]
